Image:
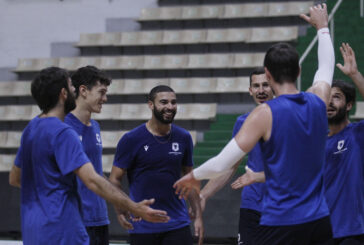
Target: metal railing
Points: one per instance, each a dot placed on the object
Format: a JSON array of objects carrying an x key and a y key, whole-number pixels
[{"x": 314, "y": 40}]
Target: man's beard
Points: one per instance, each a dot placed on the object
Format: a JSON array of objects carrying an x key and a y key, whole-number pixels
[
  {"x": 70, "y": 103},
  {"x": 339, "y": 117},
  {"x": 159, "y": 116}
]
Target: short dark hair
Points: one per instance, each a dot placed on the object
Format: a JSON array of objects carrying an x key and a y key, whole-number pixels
[
  {"x": 47, "y": 86},
  {"x": 347, "y": 88},
  {"x": 282, "y": 61},
  {"x": 256, "y": 71},
  {"x": 89, "y": 76},
  {"x": 158, "y": 89}
]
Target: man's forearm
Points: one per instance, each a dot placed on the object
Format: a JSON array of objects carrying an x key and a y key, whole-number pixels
[
  {"x": 214, "y": 185},
  {"x": 112, "y": 194},
  {"x": 358, "y": 80}
]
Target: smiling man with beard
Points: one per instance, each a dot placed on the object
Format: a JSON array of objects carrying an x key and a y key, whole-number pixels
[
  {"x": 344, "y": 167},
  {"x": 47, "y": 162},
  {"x": 153, "y": 155}
]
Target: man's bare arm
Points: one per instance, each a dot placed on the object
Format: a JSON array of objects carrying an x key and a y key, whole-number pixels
[
  {"x": 15, "y": 176},
  {"x": 110, "y": 193},
  {"x": 214, "y": 185},
  {"x": 258, "y": 125}
]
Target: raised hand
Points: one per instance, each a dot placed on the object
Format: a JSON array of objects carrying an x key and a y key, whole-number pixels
[
  {"x": 350, "y": 67},
  {"x": 152, "y": 215},
  {"x": 318, "y": 16},
  {"x": 185, "y": 184}
]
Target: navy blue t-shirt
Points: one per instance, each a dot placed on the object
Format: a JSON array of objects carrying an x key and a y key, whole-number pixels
[
  {"x": 94, "y": 208},
  {"x": 251, "y": 195},
  {"x": 294, "y": 157},
  {"x": 344, "y": 180},
  {"x": 50, "y": 207},
  {"x": 153, "y": 165}
]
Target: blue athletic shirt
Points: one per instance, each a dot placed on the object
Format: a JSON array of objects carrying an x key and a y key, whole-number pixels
[
  {"x": 153, "y": 165},
  {"x": 50, "y": 207},
  {"x": 294, "y": 157},
  {"x": 344, "y": 180},
  {"x": 94, "y": 208},
  {"x": 251, "y": 195}
]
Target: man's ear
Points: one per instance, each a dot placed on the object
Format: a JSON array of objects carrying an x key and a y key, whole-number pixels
[
  {"x": 150, "y": 105},
  {"x": 63, "y": 94},
  {"x": 349, "y": 106},
  {"x": 268, "y": 75},
  {"x": 82, "y": 90}
]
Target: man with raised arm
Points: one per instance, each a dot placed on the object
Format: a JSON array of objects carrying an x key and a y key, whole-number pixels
[
  {"x": 291, "y": 130},
  {"x": 344, "y": 166},
  {"x": 47, "y": 162}
]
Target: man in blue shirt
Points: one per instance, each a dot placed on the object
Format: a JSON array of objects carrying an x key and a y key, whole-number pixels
[
  {"x": 90, "y": 89},
  {"x": 344, "y": 167},
  {"x": 251, "y": 196},
  {"x": 153, "y": 155},
  {"x": 291, "y": 130},
  {"x": 47, "y": 162}
]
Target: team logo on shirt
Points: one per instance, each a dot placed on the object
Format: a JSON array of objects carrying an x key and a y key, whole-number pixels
[
  {"x": 146, "y": 147},
  {"x": 80, "y": 136},
  {"x": 98, "y": 138},
  {"x": 340, "y": 145},
  {"x": 175, "y": 149}
]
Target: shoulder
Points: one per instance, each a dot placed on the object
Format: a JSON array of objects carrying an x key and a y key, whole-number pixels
[
  {"x": 95, "y": 124},
  {"x": 180, "y": 130},
  {"x": 135, "y": 135}
]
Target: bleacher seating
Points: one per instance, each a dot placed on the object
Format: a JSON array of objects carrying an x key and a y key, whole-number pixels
[
  {"x": 205, "y": 36},
  {"x": 149, "y": 62},
  {"x": 227, "y": 11},
  {"x": 359, "y": 112}
]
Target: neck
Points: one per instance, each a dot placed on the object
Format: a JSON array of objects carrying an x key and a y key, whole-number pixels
[
  {"x": 82, "y": 114},
  {"x": 157, "y": 128},
  {"x": 57, "y": 111},
  {"x": 337, "y": 127},
  {"x": 285, "y": 88}
]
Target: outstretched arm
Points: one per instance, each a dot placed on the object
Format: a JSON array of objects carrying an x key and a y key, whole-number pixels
[
  {"x": 258, "y": 125},
  {"x": 326, "y": 57},
  {"x": 350, "y": 67},
  {"x": 214, "y": 185},
  {"x": 110, "y": 193}
]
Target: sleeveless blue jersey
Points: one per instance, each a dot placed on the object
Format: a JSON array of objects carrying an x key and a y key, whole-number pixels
[
  {"x": 344, "y": 180},
  {"x": 294, "y": 158},
  {"x": 251, "y": 195},
  {"x": 50, "y": 208},
  {"x": 153, "y": 165},
  {"x": 94, "y": 208}
]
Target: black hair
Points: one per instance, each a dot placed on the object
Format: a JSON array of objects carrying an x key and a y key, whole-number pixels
[
  {"x": 89, "y": 76},
  {"x": 282, "y": 61},
  {"x": 47, "y": 86},
  {"x": 158, "y": 89},
  {"x": 347, "y": 88},
  {"x": 256, "y": 71}
]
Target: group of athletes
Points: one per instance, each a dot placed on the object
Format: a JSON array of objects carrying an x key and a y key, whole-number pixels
[{"x": 304, "y": 177}]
